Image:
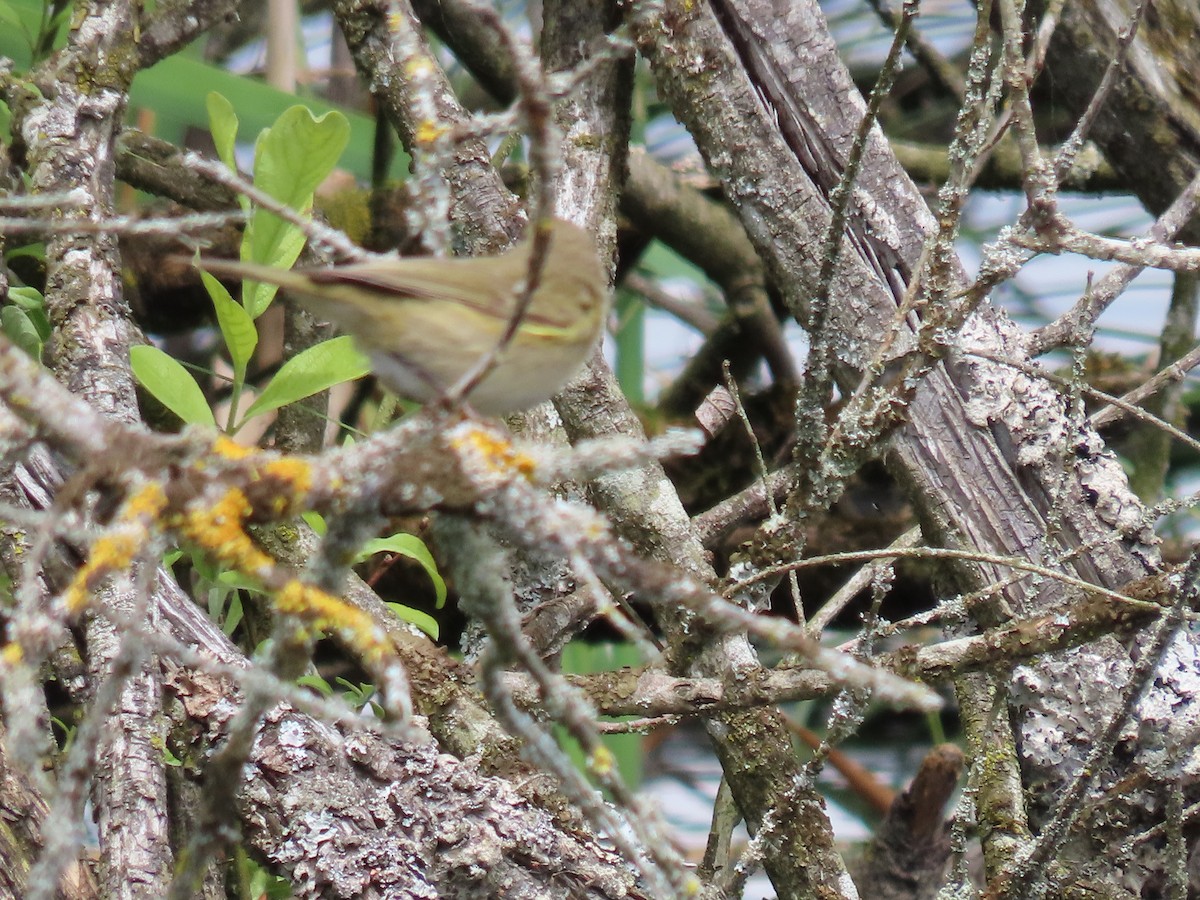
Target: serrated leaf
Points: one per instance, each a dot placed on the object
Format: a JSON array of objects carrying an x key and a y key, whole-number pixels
[
  {"x": 315, "y": 369},
  {"x": 414, "y": 548},
  {"x": 237, "y": 328},
  {"x": 425, "y": 622},
  {"x": 171, "y": 385}
]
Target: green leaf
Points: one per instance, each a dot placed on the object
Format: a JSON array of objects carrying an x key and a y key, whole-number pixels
[
  {"x": 58, "y": 19},
  {"x": 12, "y": 19},
  {"x": 317, "y": 683},
  {"x": 288, "y": 241},
  {"x": 424, "y": 621},
  {"x": 216, "y": 602},
  {"x": 19, "y": 328},
  {"x": 414, "y": 548},
  {"x": 259, "y": 882},
  {"x": 175, "y": 89},
  {"x": 291, "y": 159},
  {"x": 315, "y": 369},
  {"x": 315, "y": 521},
  {"x": 31, "y": 251},
  {"x": 356, "y": 695},
  {"x": 9, "y": 16},
  {"x": 231, "y": 578},
  {"x": 171, "y": 385},
  {"x": 237, "y": 328},
  {"x": 205, "y": 568},
  {"x": 233, "y": 615},
  {"x": 223, "y": 123},
  {"x": 297, "y": 153},
  {"x": 31, "y": 301}
]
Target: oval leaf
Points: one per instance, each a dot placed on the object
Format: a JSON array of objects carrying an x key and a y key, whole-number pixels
[
  {"x": 33, "y": 304},
  {"x": 19, "y": 328},
  {"x": 223, "y": 123},
  {"x": 317, "y": 368},
  {"x": 424, "y": 621},
  {"x": 291, "y": 159},
  {"x": 297, "y": 153},
  {"x": 171, "y": 385},
  {"x": 414, "y": 548},
  {"x": 241, "y": 337}
]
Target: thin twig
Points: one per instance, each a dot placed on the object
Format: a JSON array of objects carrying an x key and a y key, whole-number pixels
[
  {"x": 1070, "y": 148},
  {"x": 126, "y": 225},
  {"x": 940, "y": 69},
  {"x": 859, "y": 556},
  {"x": 1176, "y": 371},
  {"x": 1084, "y": 313},
  {"x": 858, "y": 582},
  {"x": 318, "y": 233}
]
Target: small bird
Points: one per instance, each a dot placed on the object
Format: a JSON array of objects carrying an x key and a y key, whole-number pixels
[{"x": 425, "y": 322}]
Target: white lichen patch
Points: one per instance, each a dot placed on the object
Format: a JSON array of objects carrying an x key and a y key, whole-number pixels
[
  {"x": 1069, "y": 698},
  {"x": 1169, "y": 716},
  {"x": 1062, "y": 701},
  {"x": 1030, "y": 408},
  {"x": 1035, "y": 413}
]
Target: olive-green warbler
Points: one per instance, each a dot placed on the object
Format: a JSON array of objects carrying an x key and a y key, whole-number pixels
[{"x": 425, "y": 322}]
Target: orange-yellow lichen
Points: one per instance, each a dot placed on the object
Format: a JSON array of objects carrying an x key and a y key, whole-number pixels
[
  {"x": 601, "y": 761},
  {"x": 230, "y": 449},
  {"x": 75, "y": 597},
  {"x": 497, "y": 451},
  {"x": 220, "y": 530},
  {"x": 115, "y": 550},
  {"x": 147, "y": 503},
  {"x": 324, "y": 611},
  {"x": 109, "y": 553},
  {"x": 295, "y": 477},
  {"x": 428, "y": 132},
  {"x": 418, "y": 67},
  {"x": 12, "y": 654}
]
